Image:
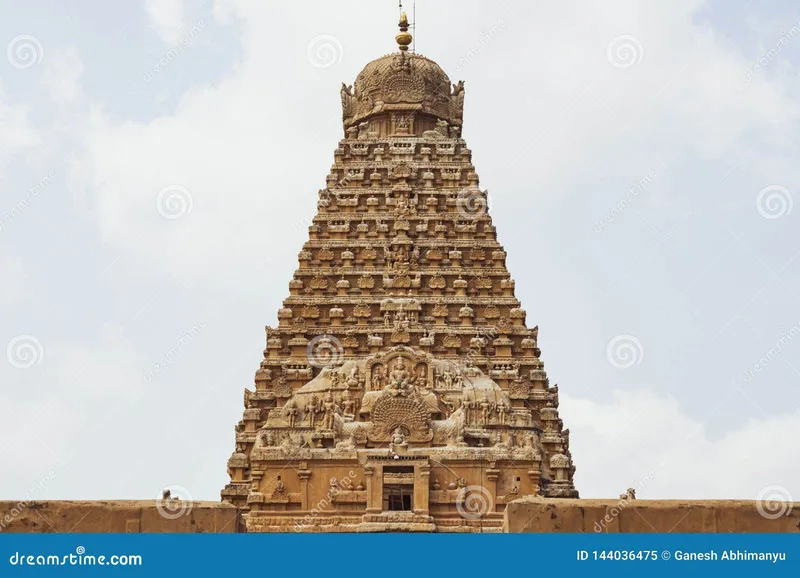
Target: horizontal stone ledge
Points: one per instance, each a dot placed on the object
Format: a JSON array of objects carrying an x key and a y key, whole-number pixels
[
  {"x": 532, "y": 514},
  {"x": 118, "y": 516},
  {"x": 522, "y": 515}
]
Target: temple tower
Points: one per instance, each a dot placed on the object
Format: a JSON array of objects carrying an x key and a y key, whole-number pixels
[{"x": 402, "y": 389}]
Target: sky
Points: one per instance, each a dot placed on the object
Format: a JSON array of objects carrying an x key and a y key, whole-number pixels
[{"x": 159, "y": 166}]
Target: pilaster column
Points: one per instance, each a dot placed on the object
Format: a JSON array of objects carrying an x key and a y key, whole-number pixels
[
  {"x": 422, "y": 488},
  {"x": 304, "y": 474},
  {"x": 492, "y": 474},
  {"x": 374, "y": 477}
]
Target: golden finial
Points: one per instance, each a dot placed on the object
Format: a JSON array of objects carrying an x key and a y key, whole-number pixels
[{"x": 404, "y": 38}]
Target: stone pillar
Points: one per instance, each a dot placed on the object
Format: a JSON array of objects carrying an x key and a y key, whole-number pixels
[
  {"x": 255, "y": 498},
  {"x": 533, "y": 475},
  {"x": 374, "y": 477},
  {"x": 304, "y": 474},
  {"x": 422, "y": 488},
  {"x": 492, "y": 474}
]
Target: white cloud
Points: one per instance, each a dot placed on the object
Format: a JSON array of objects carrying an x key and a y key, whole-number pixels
[
  {"x": 16, "y": 133},
  {"x": 646, "y": 440},
  {"x": 168, "y": 18},
  {"x": 71, "y": 414},
  {"x": 62, "y": 78},
  {"x": 249, "y": 147},
  {"x": 13, "y": 277}
]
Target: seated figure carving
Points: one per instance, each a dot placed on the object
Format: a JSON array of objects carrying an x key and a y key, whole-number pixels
[{"x": 401, "y": 381}]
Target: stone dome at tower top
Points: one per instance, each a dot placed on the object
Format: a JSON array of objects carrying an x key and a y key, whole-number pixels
[
  {"x": 399, "y": 71},
  {"x": 402, "y": 82}
]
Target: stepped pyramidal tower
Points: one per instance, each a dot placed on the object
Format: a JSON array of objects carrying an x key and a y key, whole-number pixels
[{"x": 402, "y": 389}]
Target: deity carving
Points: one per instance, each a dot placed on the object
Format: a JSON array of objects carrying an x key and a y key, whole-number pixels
[
  {"x": 448, "y": 380},
  {"x": 291, "y": 413},
  {"x": 422, "y": 379},
  {"x": 348, "y": 405},
  {"x": 329, "y": 411},
  {"x": 501, "y": 413},
  {"x": 353, "y": 379},
  {"x": 400, "y": 380},
  {"x": 312, "y": 409},
  {"x": 486, "y": 410},
  {"x": 402, "y": 124},
  {"x": 467, "y": 406},
  {"x": 399, "y": 438},
  {"x": 378, "y": 377}
]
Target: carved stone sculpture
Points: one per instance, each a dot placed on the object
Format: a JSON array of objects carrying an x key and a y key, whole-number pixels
[{"x": 402, "y": 354}]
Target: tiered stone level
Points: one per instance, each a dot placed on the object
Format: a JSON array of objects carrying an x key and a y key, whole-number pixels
[{"x": 402, "y": 388}]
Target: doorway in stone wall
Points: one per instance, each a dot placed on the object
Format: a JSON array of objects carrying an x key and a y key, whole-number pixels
[{"x": 398, "y": 488}]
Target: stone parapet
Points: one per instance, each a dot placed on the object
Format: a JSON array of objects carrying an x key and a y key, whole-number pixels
[
  {"x": 116, "y": 516},
  {"x": 523, "y": 515},
  {"x": 647, "y": 516}
]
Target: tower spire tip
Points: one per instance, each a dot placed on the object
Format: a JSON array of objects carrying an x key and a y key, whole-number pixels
[{"x": 404, "y": 38}]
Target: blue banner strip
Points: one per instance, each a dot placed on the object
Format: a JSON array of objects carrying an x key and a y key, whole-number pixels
[{"x": 388, "y": 555}]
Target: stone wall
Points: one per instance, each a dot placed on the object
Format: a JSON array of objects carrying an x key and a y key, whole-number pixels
[
  {"x": 628, "y": 516},
  {"x": 115, "y": 516},
  {"x": 524, "y": 515}
]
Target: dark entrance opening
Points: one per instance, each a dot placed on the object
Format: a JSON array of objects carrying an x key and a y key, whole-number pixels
[
  {"x": 398, "y": 489},
  {"x": 398, "y": 498}
]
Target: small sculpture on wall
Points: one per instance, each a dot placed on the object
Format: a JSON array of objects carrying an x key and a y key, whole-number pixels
[
  {"x": 312, "y": 409},
  {"x": 402, "y": 125},
  {"x": 329, "y": 409},
  {"x": 399, "y": 438},
  {"x": 378, "y": 377},
  {"x": 291, "y": 413},
  {"x": 400, "y": 379},
  {"x": 348, "y": 405}
]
